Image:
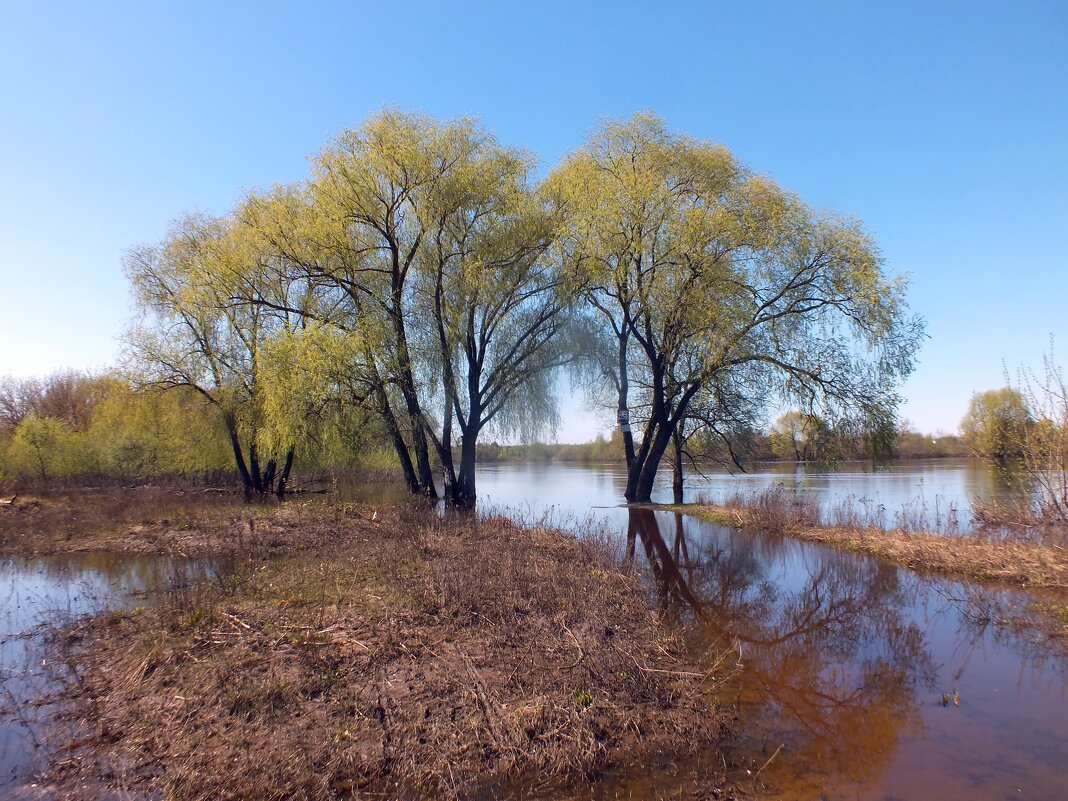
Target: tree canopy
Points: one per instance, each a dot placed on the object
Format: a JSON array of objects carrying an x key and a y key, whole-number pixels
[
  {"x": 997, "y": 423},
  {"x": 420, "y": 282},
  {"x": 699, "y": 271}
]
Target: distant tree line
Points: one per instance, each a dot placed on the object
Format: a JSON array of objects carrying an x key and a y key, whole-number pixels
[
  {"x": 74, "y": 425},
  {"x": 86, "y": 427},
  {"x": 421, "y": 288},
  {"x": 749, "y": 448}
]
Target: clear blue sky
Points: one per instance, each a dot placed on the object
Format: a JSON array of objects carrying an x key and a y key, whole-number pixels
[{"x": 944, "y": 126}]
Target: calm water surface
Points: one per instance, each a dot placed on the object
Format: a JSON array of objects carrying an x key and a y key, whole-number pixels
[
  {"x": 850, "y": 664},
  {"x": 845, "y": 661},
  {"x": 932, "y": 488}
]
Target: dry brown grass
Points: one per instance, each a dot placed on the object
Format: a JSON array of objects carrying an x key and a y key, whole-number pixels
[
  {"x": 155, "y": 521},
  {"x": 139, "y": 520},
  {"x": 410, "y": 657},
  {"x": 1019, "y": 562}
]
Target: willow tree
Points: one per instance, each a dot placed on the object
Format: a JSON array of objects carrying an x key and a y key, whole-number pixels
[
  {"x": 202, "y": 326},
  {"x": 424, "y": 246},
  {"x": 497, "y": 303},
  {"x": 700, "y": 270},
  {"x": 997, "y": 424}
]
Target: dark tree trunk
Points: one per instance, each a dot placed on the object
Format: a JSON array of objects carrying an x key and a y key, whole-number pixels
[
  {"x": 676, "y": 467},
  {"x": 400, "y": 447},
  {"x": 239, "y": 458},
  {"x": 647, "y": 467},
  {"x": 283, "y": 477},
  {"x": 624, "y": 391},
  {"x": 267, "y": 483},
  {"x": 658, "y": 435},
  {"x": 406, "y": 382},
  {"x": 422, "y": 459},
  {"x": 464, "y": 492},
  {"x": 411, "y": 481},
  {"x": 254, "y": 468}
]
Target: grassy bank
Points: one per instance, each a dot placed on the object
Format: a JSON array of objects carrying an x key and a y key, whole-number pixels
[
  {"x": 1004, "y": 560},
  {"x": 400, "y": 656},
  {"x": 162, "y": 519}
]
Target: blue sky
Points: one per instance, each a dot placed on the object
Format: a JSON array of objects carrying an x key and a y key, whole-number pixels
[{"x": 943, "y": 126}]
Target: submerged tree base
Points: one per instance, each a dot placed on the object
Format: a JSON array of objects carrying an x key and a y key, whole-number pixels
[{"x": 408, "y": 657}]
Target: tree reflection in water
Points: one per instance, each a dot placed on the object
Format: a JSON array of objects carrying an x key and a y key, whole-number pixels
[{"x": 831, "y": 667}]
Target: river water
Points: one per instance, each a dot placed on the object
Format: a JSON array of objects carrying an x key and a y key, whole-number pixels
[
  {"x": 855, "y": 679},
  {"x": 36, "y": 595},
  {"x": 930, "y": 490}
]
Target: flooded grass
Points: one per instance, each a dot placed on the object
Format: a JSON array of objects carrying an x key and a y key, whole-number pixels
[
  {"x": 1008, "y": 560},
  {"x": 406, "y": 655}
]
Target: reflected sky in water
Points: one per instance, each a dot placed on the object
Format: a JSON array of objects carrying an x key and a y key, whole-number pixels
[
  {"x": 845, "y": 662},
  {"x": 934, "y": 488},
  {"x": 40, "y": 591}
]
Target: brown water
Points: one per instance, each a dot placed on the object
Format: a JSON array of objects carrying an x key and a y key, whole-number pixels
[{"x": 843, "y": 660}]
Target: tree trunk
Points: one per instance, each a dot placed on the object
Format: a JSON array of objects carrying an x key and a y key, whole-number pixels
[
  {"x": 406, "y": 382},
  {"x": 647, "y": 467},
  {"x": 400, "y": 447},
  {"x": 624, "y": 391},
  {"x": 239, "y": 458},
  {"x": 464, "y": 491},
  {"x": 267, "y": 482},
  {"x": 283, "y": 478},
  {"x": 254, "y": 468},
  {"x": 658, "y": 435},
  {"x": 676, "y": 467}
]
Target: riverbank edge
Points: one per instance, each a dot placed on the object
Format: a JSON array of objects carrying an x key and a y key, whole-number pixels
[
  {"x": 554, "y": 659},
  {"x": 1022, "y": 564}
]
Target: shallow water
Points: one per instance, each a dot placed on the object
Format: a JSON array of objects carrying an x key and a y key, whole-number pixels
[
  {"x": 39, "y": 593},
  {"x": 935, "y": 489},
  {"x": 851, "y": 665},
  {"x": 845, "y": 660}
]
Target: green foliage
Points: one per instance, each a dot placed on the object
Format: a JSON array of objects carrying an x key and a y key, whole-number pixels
[
  {"x": 151, "y": 432},
  {"x": 418, "y": 290},
  {"x": 44, "y": 447},
  {"x": 997, "y": 424},
  {"x": 702, "y": 273},
  {"x": 796, "y": 435}
]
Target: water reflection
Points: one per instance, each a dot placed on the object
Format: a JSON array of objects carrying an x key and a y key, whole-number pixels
[
  {"x": 844, "y": 662},
  {"x": 937, "y": 491},
  {"x": 36, "y": 593}
]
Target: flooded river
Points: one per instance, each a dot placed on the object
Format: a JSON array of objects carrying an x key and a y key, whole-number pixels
[
  {"x": 909, "y": 491},
  {"x": 855, "y": 679},
  {"x": 859, "y": 680},
  {"x": 39, "y": 593}
]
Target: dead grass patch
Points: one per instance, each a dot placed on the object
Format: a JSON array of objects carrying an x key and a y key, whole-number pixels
[
  {"x": 155, "y": 521},
  {"x": 408, "y": 656},
  {"x": 1021, "y": 563}
]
